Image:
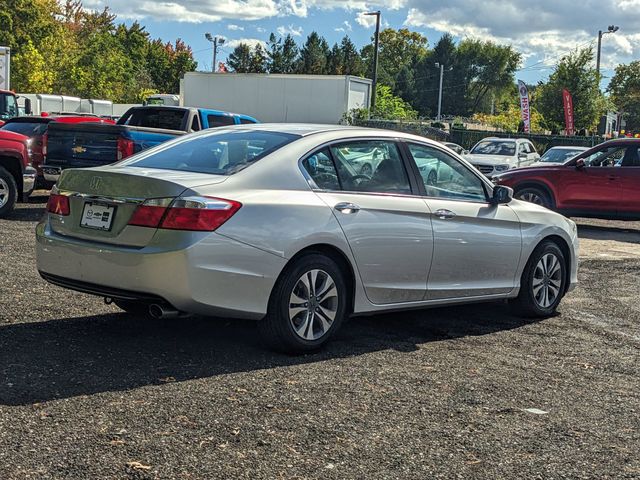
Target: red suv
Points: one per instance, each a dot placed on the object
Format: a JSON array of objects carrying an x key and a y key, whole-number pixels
[
  {"x": 602, "y": 182},
  {"x": 35, "y": 127}
]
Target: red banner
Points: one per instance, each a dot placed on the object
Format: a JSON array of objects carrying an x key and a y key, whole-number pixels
[{"x": 567, "y": 100}]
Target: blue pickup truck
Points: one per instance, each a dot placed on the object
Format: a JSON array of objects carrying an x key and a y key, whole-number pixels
[{"x": 90, "y": 145}]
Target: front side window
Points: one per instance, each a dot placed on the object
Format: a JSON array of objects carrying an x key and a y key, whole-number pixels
[
  {"x": 220, "y": 120},
  {"x": 321, "y": 169},
  {"x": 607, "y": 157},
  {"x": 444, "y": 176},
  {"x": 370, "y": 166},
  {"x": 219, "y": 153}
]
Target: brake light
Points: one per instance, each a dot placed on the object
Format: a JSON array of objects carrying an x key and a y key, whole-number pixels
[
  {"x": 198, "y": 214},
  {"x": 58, "y": 204},
  {"x": 125, "y": 148}
]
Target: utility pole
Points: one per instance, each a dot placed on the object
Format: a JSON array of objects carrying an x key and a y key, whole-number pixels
[
  {"x": 375, "y": 60},
  {"x": 611, "y": 29},
  {"x": 440, "y": 91},
  {"x": 216, "y": 41}
]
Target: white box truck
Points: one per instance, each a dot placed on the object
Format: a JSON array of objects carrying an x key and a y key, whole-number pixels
[
  {"x": 5, "y": 68},
  {"x": 277, "y": 97}
]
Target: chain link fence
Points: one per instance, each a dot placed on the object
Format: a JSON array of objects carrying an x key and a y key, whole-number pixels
[{"x": 467, "y": 138}]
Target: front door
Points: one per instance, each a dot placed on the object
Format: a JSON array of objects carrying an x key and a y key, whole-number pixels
[
  {"x": 387, "y": 226},
  {"x": 630, "y": 182},
  {"x": 477, "y": 245}
]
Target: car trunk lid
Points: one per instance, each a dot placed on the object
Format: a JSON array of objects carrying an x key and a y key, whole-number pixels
[{"x": 103, "y": 200}]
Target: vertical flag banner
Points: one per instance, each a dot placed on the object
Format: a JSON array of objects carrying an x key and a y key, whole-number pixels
[
  {"x": 567, "y": 100},
  {"x": 525, "y": 108}
]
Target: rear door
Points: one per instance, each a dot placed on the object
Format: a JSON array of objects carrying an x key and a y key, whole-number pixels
[
  {"x": 477, "y": 245},
  {"x": 630, "y": 181},
  {"x": 386, "y": 224}
]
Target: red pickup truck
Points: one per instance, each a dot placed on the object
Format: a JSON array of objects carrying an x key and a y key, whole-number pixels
[{"x": 17, "y": 175}]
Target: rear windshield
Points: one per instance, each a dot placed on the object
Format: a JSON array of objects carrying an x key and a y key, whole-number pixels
[
  {"x": 29, "y": 129},
  {"x": 495, "y": 147},
  {"x": 220, "y": 153},
  {"x": 168, "y": 119}
]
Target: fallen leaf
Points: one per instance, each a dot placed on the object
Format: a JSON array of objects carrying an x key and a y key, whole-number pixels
[{"x": 138, "y": 466}]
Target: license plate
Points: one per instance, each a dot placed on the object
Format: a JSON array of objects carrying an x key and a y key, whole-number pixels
[{"x": 97, "y": 216}]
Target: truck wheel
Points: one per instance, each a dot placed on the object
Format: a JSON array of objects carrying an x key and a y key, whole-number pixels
[{"x": 8, "y": 192}]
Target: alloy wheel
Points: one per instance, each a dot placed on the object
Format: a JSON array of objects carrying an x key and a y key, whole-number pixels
[
  {"x": 4, "y": 192},
  {"x": 532, "y": 197},
  {"x": 547, "y": 280},
  {"x": 313, "y": 305}
]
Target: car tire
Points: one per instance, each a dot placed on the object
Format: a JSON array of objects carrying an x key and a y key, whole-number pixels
[
  {"x": 135, "y": 309},
  {"x": 299, "y": 318},
  {"x": 8, "y": 192},
  {"x": 543, "y": 282},
  {"x": 534, "y": 195}
]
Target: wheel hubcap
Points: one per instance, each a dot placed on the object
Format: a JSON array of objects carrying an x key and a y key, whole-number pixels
[
  {"x": 4, "y": 192},
  {"x": 547, "y": 280},
  {"x": 313, "y": 304},
  {"x": 532, "y": 197}
]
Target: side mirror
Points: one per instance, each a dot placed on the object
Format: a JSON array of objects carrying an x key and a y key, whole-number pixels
[
  {"x": 580, "y": 164},
  {"x": 522, "y": 155},
  {"x": 501, "y": 194},
  {"x": 465, "y": 152}
]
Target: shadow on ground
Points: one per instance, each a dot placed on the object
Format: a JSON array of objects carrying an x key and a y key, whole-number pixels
[
  {"x": 618, "y": 234},
  {"x": 80, "y": 356}
]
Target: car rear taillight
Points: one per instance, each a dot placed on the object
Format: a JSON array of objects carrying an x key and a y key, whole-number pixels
[
  {"x": 58, "y": 204},
  {"x": 198, "y": 214},
  {"x": 125, "y": 148}
]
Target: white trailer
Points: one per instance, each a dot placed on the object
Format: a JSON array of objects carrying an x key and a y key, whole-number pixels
[
  {"x": 5, "y": 68},
  {"x": 277, "y": 97},
  {"x": 97, "y": 107}
]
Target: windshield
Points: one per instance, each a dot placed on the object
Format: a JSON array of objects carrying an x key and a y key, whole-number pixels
[
  {"x": 220, "y": 154},
  {"x": 558, "y": 155},
  {"x": 495, "y": 147},
  {"x": 29, "y": 129}
]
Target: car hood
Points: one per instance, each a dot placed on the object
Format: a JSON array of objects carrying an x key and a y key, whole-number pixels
[
  {"x": 488, "y": 159},
  {"x": 543, "y": 169}
]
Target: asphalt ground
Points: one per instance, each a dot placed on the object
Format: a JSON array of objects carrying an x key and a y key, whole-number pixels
[{"x": 87, "y": 391}]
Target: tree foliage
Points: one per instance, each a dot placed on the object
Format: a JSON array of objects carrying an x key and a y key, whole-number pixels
[
  {"x": 60, "y": 47},
  {"x": 625, "y": 93},
  {"x": 576, "y": 73}
]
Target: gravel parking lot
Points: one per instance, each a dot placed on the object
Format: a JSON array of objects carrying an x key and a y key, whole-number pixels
[{"x": 469, "y": 392}]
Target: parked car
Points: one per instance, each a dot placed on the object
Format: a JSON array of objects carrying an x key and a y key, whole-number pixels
[
  {"x": 240, "y": 222},
  {"x": 35, "y": 127},
  {"x": 17, "y": 176},
  {"x": 456, "y": 148},
  {"x": 602, "y": 182},
  {"x": 558, "y": 155},
  {"x": 496, "y": 155},
  {"x": 87, "y": 145}
]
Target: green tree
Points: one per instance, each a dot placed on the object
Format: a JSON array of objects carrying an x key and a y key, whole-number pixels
[
  {"x": 259, "y": 61},
  {"x": 625, "y": 93},
  {"x": 576, "y": 73},
  {"x": 240, "y": 59},
  {"x": 314, "y": 55}
]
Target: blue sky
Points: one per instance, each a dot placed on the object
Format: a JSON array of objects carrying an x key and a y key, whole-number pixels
[{"x": 543, "y": 31}]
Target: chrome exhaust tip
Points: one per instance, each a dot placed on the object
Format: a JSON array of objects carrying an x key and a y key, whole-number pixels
[{"x": 159, "y": 311}]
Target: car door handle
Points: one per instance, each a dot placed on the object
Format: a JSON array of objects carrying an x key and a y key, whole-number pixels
[
  {"x": 444, "y": 214},
  {"x": 347, "y": 207}
]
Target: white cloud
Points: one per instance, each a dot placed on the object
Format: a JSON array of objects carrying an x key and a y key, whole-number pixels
[
  {"x": 365, "y": 20},
  {"x": 290, "y": 30},
  {"x": 346, "y": 27},
  {"x": 234, "y": 28},
  {"x": 252, "y": 42}
]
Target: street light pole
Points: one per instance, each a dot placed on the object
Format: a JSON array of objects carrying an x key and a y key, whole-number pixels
[
  {"x": 440, "y": 91},
  {"x": 375, "y": 60},
  {"x": 611, "y": 29},
  {"x": 216, "y": 41}
]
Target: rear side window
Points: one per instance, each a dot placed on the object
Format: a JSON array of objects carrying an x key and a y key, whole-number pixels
[
  {"x": 29, "y": 129},
  {"x": 220, "y": 120},
  {"x": 321, "y": 169},
  {"x": 244, "y": 121},
  {"x": 167, "y": 119},
  {"x": 218, "y": 153}
]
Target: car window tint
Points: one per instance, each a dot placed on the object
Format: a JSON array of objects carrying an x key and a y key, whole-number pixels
[
  {"x": 195, "y": 123},
  {"x": 631, "y": 157},
  {"x": 29, "y": 129},
  {"x": 444, "y": 176},
  {"x": 607, "y": 157},
  {"x": 220, "y": 120},
  {"x": 495, "y": 147},
  {"x": 168, "y": 119},
  {"x": 321, "y": 169},
  {"x": 245, "y": 121},
  {"x": 370, "y": 166}
]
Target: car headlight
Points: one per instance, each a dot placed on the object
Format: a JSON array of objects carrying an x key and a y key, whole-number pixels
[{"x": 502, "y": 168}]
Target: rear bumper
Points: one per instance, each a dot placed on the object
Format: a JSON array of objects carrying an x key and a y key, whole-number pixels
[
  {"x": 29, "y": 181},
  {"x": 214, "y": 276}
]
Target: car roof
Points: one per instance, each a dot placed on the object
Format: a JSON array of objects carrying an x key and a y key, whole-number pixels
[
  {"x": 569, "y": 147},
  {"x": 501, "y": 139}
]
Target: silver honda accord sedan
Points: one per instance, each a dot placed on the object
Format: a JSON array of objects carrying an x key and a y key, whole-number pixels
[{"x": 274, "y": 222}]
